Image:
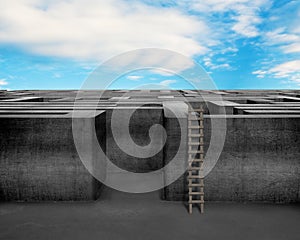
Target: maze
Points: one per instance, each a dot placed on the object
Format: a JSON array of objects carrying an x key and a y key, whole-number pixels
[{"x": 260, "y": 160}]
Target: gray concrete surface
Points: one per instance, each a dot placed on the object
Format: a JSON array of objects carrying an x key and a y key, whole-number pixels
[
  {"x": 39, "y": 161},
  {"x": 140, "y": 122},
  {"x": 120, "y": 216}
]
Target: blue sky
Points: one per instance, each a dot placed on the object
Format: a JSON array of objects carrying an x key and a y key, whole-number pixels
[{"x": 242, "y": 44}]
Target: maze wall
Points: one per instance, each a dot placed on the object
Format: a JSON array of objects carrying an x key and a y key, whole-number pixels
[{"x": 260, "y": 160}]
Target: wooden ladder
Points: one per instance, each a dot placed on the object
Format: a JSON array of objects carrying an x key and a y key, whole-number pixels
[{"x": 195, "y": 158}]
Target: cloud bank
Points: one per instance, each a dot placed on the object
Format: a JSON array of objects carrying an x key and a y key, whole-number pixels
[{"x": 97, "y": 30}]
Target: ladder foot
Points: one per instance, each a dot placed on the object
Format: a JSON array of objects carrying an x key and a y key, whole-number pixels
[
  {"x": 201, "y": 208},
  {"x": 190, "y": 209}
]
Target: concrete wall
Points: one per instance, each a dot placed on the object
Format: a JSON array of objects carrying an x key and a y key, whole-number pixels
[
  {"x": 39, "y": 161},
  {"x": 140, "y": 123},
  {"x": 260, "y": 162},
  {"x": 172, "y": 125}
]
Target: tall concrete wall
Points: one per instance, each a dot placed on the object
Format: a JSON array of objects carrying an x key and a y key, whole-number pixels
[
  {"x": 260, "y": 162},
  {"x": 39, "y": 161},
  {"x": 175, "y": 118},
  {"x": 128, "y": 159},
  {"x": 140, "y": 123}
]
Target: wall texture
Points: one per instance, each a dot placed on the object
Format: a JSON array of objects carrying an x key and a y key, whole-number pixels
[
  {"x": 260, "y": 162},
  {"x": 39, "y": 161},
  {"x": 140, "y": 123}
]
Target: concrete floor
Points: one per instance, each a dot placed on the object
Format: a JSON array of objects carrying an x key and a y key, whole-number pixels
[{"x": 143, "y": 216}]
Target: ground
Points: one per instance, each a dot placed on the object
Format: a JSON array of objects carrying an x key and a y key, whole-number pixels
[{"x": 144, "y": 216}]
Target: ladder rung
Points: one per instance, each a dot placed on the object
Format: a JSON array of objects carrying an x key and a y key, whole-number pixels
[
  {"x": 196, "y": 201},
  {"x": 195, "y": 151},
  {"x": 196, "y": 143},
  {"x": 195, "y": 177},
  {"x": 196, "y": 135},
  {"x": 196, "y": 185},
  {"x": 195, "y": 168},
  {"x": 195, "y": 127},
  {"x": 196, "y": 193}
]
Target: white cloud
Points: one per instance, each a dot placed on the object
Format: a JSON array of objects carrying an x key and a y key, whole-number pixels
[
  {"x": 159, "y": 61},
  {"x": 283, "y": 41},
  {"x": 216, "y": 5},
  {"x": 259, "y": 73},
  {"x": 246, "y": 25},
  {"x": 208, "y": 63},
  {"x": 98, "y": 30},
  {"x": 288, "y": 70},
  {"x": 288, "y": 41},
  {"x": 292, "y": 48},
  {"x": 219, "y": 66},
  {"x": 167, "y": 83},
  {"x": 285, "y": 69},
  {"x": 280, "y": 36},
  {"x": 245, "y": 13},
  {"x": 134, "y": 77},
  {"x": 3, "y": 82}
]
